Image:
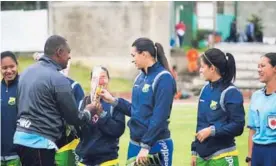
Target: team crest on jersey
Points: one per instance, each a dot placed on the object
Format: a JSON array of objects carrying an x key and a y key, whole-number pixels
[
  {"x": 213, "y": 105},
  {"x": 11, "y": 101},
  {"x": 271, "y": 119},
  {"x": 146, "y": 88}
]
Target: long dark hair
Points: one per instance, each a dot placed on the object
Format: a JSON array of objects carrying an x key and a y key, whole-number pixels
[
  {"x": 272, "y": 58},
  {"x": 225, "y": 63},
  {"x": 155, "y": 50}
]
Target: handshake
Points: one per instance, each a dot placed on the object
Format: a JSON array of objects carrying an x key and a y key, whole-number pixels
[
  {"x": 95, "y": 108},
  {"x": 92, "y": 111}
]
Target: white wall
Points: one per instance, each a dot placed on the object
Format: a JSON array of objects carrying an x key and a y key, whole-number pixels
[{"x": 24, "y": 31}]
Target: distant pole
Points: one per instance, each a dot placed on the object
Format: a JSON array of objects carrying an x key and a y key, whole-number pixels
[
  {"x": 236, "y": 9},
  {"x": 178, "y": 13},
  {"x": 214, "y": 23}
]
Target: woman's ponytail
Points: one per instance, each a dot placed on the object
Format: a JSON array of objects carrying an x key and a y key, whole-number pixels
[
  {"x": 161, "y": 56},
  {"x": 230, "y": 72}
]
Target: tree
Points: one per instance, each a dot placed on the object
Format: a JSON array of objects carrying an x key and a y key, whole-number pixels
[{"x": 258, "y": 27}]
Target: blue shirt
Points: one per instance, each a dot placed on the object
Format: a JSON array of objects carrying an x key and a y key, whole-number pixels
[
  {"x": 262, "y": 117},
  {"x": 250, "y": 29},
  {"x": 33, "y": 140}
]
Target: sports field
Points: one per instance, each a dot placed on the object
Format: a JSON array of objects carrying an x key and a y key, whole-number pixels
[
  {"x": 183, "y": 118},
  {"x": 183, "y": 121}
]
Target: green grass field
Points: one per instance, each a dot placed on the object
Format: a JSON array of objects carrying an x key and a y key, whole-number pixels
[{"x": 182, "y": 126}]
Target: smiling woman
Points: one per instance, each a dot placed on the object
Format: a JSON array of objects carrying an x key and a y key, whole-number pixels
[
  {"x": 152, "y": 97},
  {"x": 8, "y": 108},
  {"x": 8, "y": 66},
  {"x": 262, "y": 116}
]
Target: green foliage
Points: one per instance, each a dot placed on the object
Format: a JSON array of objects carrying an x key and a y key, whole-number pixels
[
  {"x": 202, "y": 34},
  {"x": 257, "y": 21},
  {"x": 258, "y": 26}
]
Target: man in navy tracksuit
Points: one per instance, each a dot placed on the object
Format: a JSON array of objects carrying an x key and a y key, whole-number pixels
[
  {"x": 44, "y": 99},
  {"x": 66, "y": 157}
]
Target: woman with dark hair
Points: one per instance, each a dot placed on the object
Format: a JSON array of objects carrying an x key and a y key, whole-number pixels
[
  {"x": 262, "y": 116},
  {"x": 152, "y": 98},
  {"x": 220, "y": 116},
  {"x": 9, "y": 71},
  {"x": 99, "y": 141}
]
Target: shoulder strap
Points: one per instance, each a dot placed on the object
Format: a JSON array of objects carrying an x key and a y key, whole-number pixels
[
  {"x": 202, "y": 89},
  {"x": 74, "y": 84},
  {"x": 111, "y": 110},
  {"x": 157, "y": 77},
  {"x": 137, "y": 77},
  {"x": 222, "y": 96},
  {"x": 80, "y": 105}
]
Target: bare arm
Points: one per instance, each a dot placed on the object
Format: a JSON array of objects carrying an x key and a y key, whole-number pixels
[{"x": 250, "y": 142}]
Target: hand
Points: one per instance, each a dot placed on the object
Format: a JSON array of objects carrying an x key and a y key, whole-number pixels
[
  {"x": 142, "y": 156},
  {"x": 94, "y": 108},
  {"x": 193, "y": 161},
  {"x": 99, "y": 108},
  {"x": 91, "y": 108},
  {"x": 106, "y": 96},
  {"x": 203, "y": 134},
  {"x": 248, "y": 162}
]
